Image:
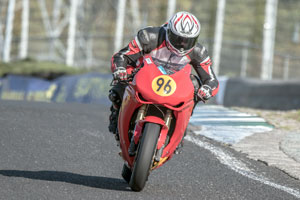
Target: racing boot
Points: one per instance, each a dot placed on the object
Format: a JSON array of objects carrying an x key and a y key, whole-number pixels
[
  {"x": 113, "y": 122},
  {"x": 113, "y": 118},
  {"x": 178, "y": 149},
  {"x": 112, "y": 127}
]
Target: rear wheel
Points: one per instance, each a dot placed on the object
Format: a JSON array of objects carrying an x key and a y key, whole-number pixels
[{"x": 144, "y": 157}]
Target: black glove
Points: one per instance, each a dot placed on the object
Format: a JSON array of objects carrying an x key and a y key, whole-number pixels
[
  {"x": 205, "y": 92},
  {"x": 120, "y": 74}
]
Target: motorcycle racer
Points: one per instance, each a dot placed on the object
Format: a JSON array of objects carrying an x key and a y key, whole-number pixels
[{"x": 172, "y": 46}]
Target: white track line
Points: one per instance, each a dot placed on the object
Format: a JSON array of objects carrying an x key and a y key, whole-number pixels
[
  {"x": 239, "y": 166},
  {"x": 228, "y": 119},
  {"x": 222, "y": 114}
]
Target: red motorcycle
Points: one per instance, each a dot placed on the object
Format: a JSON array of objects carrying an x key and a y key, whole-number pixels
[{"x": 155, "y": 112}]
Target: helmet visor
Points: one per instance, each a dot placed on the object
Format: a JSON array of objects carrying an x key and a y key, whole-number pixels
[{"x": 181, "y": 43}]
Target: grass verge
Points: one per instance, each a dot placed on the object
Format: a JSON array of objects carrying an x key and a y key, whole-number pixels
[
  {"x": 285, "y": 120},
  {"x": 46, "y": 70}
]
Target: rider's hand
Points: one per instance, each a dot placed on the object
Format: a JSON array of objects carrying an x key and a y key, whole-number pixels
[
  {"x": 120, "y": 74},
  {"x": 205, "y": 92}
]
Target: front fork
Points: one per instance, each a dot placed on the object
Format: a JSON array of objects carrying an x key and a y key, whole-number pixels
[
  {"x": 141, "y": 113},
  {"x": 167, "y": 120},
  {"x": 163, "y": 140},
  {"x": 137, "y": 130},
  {"x": 143, "y": 110}
]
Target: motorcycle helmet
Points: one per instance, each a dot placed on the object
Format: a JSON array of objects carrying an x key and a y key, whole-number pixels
[{"x": 182, "y": 33}]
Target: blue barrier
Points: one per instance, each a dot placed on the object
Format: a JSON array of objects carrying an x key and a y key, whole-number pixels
[{"x": 86, "y": 88}]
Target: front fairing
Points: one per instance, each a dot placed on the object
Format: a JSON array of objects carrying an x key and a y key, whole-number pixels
[{"x": 158, "y": 88}]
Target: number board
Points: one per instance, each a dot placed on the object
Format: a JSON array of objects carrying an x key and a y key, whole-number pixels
[{"x": 163, "y": 85}]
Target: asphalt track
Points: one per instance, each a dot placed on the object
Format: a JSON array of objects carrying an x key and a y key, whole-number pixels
[{"x": 64, "y": 151}]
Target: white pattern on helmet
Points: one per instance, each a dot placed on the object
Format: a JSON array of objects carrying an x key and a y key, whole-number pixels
[
  {"x": 184, "y": 24},
  {"x": 138, "y": 43}
]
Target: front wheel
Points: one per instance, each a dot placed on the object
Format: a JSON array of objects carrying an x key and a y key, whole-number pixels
[{"x": 144, "y": 157}]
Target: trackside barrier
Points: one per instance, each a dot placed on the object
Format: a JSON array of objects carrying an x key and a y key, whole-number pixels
[
  {"x": 87, "y": 88},
  {"x": 94, "y": 87},
  {"x": 253, "y": 93}
]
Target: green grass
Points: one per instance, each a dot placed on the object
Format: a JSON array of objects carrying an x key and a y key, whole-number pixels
[
  {"x": 36, "y": 68},
  {"x": 294, "y": 115}
]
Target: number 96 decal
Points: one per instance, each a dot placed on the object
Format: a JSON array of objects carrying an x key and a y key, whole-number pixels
[{"x": 163, "y": 85}]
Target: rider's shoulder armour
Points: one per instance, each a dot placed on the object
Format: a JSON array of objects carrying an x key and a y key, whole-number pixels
[
  {"x": 198, "y": 54},
  {"x": 150, "y": 38}
]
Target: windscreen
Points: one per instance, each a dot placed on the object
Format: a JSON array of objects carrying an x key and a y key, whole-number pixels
[{"x": 167, "y": 68}]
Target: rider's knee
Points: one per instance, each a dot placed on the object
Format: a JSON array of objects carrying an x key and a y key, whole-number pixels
[
  {"x": 114, "y": 98},
  {"x": 116, "y": 95}
]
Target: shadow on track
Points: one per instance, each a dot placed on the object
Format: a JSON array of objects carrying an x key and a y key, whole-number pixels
[{"x": 67, "y": 177}]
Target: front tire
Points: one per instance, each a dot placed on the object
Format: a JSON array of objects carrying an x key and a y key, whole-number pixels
[{"x": 144, "y": 157}]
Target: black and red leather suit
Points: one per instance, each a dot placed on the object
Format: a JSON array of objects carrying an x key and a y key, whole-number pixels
[{"x": 152, "y": 41}]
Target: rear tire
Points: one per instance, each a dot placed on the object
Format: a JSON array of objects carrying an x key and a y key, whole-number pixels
[{"x": 144, "y": 157}]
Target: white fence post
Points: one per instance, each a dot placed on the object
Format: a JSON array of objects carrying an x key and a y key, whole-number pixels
[
  {"x": 56, "y": 13},
  {"x": 8, "y": 31},
  {"x": 218, "y": 35},
  {"x": 1, "y": 31},
  {"x": 23, "y": 48},
  {"x": 269, "y": 39},
  {"x": 1, "y": 40},
  {"x": 72, "y": 33},
  {"x": 171, "y": 8},
  {"x": 120, "y": 24},
  {"x": 135, "y": 10}
]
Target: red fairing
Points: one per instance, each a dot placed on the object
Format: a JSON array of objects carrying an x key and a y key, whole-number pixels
[
  {"x": 129, "y": 105},
  {"x": 184, "y": 86},
  {"x": 148, "y": 87}
]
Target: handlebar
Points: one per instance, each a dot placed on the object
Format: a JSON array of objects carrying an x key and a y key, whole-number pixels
[{"x": 127, "y": 81}]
